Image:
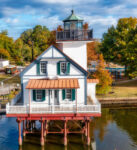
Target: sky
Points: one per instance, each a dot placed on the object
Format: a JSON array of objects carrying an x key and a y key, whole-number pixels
[{"x": 17, "y": 16}]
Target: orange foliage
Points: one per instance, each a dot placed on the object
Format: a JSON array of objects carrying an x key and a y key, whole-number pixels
[
  {"x": 105, "y": 79},
  {"x": 85, "y": 26},
  {"x": 59, "y": 28},
  {"x": 91, "y": 52},
  {"x": 4, "y": 53}
]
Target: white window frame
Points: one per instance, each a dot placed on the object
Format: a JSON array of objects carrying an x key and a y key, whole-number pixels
[
  {"x": 39, "y": 95},
  {"x": 68, "y": 94},
  {"x": 45, "y": 63},
  {"x": 61, "y": 63}
]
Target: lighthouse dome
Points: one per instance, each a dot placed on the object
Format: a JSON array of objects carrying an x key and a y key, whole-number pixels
[{"x": 73, "y": 22}]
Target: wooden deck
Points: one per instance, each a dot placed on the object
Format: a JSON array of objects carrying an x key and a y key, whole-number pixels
[{"x": 52, "y": 109}]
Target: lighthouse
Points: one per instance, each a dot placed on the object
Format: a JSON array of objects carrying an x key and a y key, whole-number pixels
[
  {"x": 55, "y": 86},
  {"x": 73, "y": 39}
]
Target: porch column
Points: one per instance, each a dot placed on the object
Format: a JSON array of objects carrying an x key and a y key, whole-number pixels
[
  {"x": 29, "y": 102},
  {"x": 42, "y": 133},
  {"x": 65, "y": 133},
  {"x": 19, "y": 128},
  {"x": 53, "y": 97}
]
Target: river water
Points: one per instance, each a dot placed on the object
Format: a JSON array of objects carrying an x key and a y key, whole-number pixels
[{"x": 115, "y": 130}]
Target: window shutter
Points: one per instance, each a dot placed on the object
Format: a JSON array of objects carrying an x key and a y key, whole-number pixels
[
  {"x": 68, "y": 68},
  {"x": 43, "y": 95},
  {"x": 63, "y": 94},
  {"x": 34, "y": 95},
  {"x": 38, "y": 68},
  {"x": 73, "y": 94},
  {"x": 58, "y": 68}
]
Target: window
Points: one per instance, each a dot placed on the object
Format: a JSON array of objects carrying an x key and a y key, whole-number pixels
[
  {"x": 68, "y": 94},
  {"x": 43, "y": 67},
  {"x": 38, "y": 95},
  {"x": 63, "y": 67}
]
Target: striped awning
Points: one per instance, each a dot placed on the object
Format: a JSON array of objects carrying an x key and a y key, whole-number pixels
[
  {"x": 53, "y": 84},
  {"x": 92, "y": 80}
]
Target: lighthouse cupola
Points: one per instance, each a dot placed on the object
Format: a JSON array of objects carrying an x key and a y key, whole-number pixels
[
  {"x": 73, "y": 22},
  {"x": 73, "y": 30}
]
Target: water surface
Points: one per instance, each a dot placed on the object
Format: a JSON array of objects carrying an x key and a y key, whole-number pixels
[{"x": 115, "y": 130}]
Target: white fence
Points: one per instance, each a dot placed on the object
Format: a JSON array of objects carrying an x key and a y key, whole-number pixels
[{"x": 54, "y": 109}]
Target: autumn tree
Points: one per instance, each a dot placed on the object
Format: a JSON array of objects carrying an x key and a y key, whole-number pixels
[
  {"x": 92, "y": 49},
  {"x": 85, "y": 26},
  {"x": 119, "y": 44},
  {"x": 59, "y": 28},
  {"x": 39, "y": 37},
  {"x": 4, "y": 53},
  {"x": 105, "y": 79}
]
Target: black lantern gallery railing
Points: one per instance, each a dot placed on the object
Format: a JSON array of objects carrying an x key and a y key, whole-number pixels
[{"x": 77, "y": 35}]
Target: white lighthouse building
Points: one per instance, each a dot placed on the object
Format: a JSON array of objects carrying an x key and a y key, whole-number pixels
[{"x": 55, "y": 85}]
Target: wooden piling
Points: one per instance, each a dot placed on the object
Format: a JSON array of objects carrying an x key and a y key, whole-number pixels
[
  {"x": 42, "y": 133},
  {"x": 19, "y": 128},
  {"x": 65, "y": 133}
]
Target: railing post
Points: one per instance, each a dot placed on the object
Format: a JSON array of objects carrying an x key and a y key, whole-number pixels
[{"x": 7, "y": 107}]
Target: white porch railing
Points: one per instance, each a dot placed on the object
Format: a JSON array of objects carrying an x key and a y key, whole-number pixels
[{"x": 55, "y": 109}]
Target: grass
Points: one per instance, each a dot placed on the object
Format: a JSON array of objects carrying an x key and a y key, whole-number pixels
[{"x": 120, "y": 90}]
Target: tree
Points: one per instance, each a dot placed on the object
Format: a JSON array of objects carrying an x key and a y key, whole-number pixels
[
  {"x": 18, "y": 49},
  {"x": 119, "y": 44},
  {"x": 7, "y": 43},
  {"x": 4, "y": 53},
  {"x": 92, "y": 49},
  {"x": 39, "y": 37},
  {"x": 85, "y": 26},
  {"x": 105, "y": 80},
  {"x": 4, "y": 32}
]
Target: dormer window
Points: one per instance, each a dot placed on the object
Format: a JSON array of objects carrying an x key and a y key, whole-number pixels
[
  {"x": 43, "y": 67},
  {"x": 63, "y": 68}
]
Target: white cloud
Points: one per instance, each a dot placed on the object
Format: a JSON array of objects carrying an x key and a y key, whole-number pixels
[
  {"x": 8, "y": 11},
  {"x": 51, "y": 21},
  {"x": 12, "y": 21},
  {"x": 68, "y": 2},
  {"x": 105, "y": 21}
]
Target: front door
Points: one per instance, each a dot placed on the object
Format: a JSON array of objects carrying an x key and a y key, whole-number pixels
[{"x": 56, "y": 97}]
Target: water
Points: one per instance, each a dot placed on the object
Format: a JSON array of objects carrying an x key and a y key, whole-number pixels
[{"x": 115, "y": 130}]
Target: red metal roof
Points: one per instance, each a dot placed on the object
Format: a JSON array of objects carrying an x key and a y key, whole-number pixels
[
  {"x": 53, "y": 84},
  {"x": 92, "y": 80}
]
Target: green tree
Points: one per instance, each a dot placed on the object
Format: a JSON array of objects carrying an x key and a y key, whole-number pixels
[
  {"x": 105, "y": 80},
  {"x": 4, "y": 32},
  {"x": 40, "y": 38},
  {"x": 119, "y": 44},
  {"x": 7, "y": 43},
  {"x": 4, "y": 53}
]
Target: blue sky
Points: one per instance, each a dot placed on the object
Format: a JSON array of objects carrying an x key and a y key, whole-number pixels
[{"x": 19, "y": 15}]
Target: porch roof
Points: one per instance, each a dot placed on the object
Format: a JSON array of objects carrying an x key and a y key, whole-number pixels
[
  {"x": 92, "y": 80},
  {"x": 53, "y": 84}
]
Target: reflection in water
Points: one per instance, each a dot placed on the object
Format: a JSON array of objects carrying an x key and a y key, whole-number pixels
[{"x": 115, "y": 130}]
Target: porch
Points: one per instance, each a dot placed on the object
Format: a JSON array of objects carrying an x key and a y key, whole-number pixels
[{"x": 53, "y": 109}]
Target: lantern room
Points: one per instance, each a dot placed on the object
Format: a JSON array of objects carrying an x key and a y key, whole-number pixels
[
  {"x": 73, "y": 22},
  {"x": 73, "y": 30}
]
